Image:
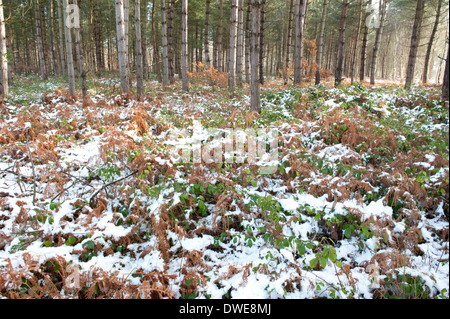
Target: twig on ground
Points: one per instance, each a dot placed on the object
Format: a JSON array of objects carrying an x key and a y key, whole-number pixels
[
  {"x": 109, "y": 184},
  {"x": 34, "y": 173}
]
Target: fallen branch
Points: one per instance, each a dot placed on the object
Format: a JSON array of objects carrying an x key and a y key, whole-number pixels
[
  {"x": 34, "y": 173},
  {"x": 109, "y": 184}
]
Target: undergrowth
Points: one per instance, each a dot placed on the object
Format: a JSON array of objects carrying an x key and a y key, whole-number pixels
[{"x": 92, "y": 205}]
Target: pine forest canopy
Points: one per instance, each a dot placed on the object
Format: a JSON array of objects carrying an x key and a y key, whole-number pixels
[{"x": 297, "y": 40}]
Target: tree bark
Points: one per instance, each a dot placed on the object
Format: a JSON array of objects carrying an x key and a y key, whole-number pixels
[
  {"x": 298, "y": 50},
  {"x": 69, "y": 51},
  {"x": 79, "y": 49},
  {"x": 415, "y": 39},
  {"x": 184, "y": 45},
  {"x": 320, "y": 44},
  {"x": 3, "y": 56},
  {"x": 261, "y": 42},
  {"x": 91, "y": 36},
  {"x": 52, "y": 45},
  {"x": 165, "y": 48},
  {"x": 232, "y": 47},
  {"x": 355, "y": 48},
  {"x": 376, "y": 46},
  {"x": 446, "y": 75},
  {"x": 144, "y": 23},
  {"x": 254, "y": 87},
  {"x": 61, "y": 38},
  {"x": 139, "y": 58},
  {"x": 219, "y": 38},
  {"x": 288, "y": 43},
  {"x": 340, "y": 57},
  {"x": 170, "y": 42},
  {"x": 98, "y": 38},
  {"x": 240, "y": 43},
  {"x": 206, "y": 35},
  {"x": 156, "y": 62},
  {"x": 122, "y": 46},
  {"x": 430, "y": 44},
  {"x": 39, "y": 40},
  {"x": 248, "y": 40},
  {"x": 362, "y": 68}
]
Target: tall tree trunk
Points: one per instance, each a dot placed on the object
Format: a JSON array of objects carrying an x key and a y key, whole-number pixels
[
  {"x": 52, "y": 45},
  {"x": 91, "y": 36},
  {"x": 165, "y": 47},
  {"x": 376, "y": 46},
  {"x": 355, "y": 48},
  {"x": 61, "y": 37},
  {"x": 10, "y": 45},
  {"x": 206, "y": 36},
  {"x": 126, "y": 23},
  {"x": 341, "y": 44},
  {"x": 248, "y": 40},
  {"x": 255, "y": 89},
  {"x": 98, "y": 39},
  {"x": 430, "y": 43},
  {"x": 415, "y": 39},
  {"x": 362, "y": 70},
  {"x": 298, "y": 49},
  {"x": 261, "y": 42},
  {"x": 3, "y": 56},
  {"x": 184, "y": 45},
  {"x": 79, "y": 49},
  {"x": 122, "y": 46},
  {"x": 240, "y": 43},
  {"x": 446, "y": 76},
  {"x": 69, "y": 51},
  {"x": 320, "y": 44},
  {"x": 156, "y": 62},
  {"x": 288, "y": 42},
  {"x": 139, "y": 59},
  {"x": 39, "y": 40},
  {"x": 232, "y": 48},
  {"x": 170, "y": 42},
  {"x": 219, "y": 38},
  {"x": 144, "y": 17}
]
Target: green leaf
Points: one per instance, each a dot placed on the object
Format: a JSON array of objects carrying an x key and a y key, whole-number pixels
[
  {"x": 348, "y": 232},
  {"x": 313, "y": 262},
  {"x": 323, "y": 261},
  {"x": 47, "y": 243},
  {"x": 71, "y": 241},
  {"x": 332, "y": 255},
  {"x": 90, "y": 244}
]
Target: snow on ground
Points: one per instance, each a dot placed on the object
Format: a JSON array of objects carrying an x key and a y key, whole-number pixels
[{"x": 100, "y": 209}]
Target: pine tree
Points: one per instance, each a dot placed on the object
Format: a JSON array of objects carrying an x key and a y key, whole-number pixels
[
  {"x": 69, "y": 50},
  {"x": 254, "y": 87},
  {"x": 184, "y": 45},
  {"x": 340, "y": 59},
  {"x": 139, "y": 58},
  {"x": 320, "y": 44},
  {"x": 446, "y": 75},
  {"x": 165, "y": 47},
  {"x": 415, "y": 39},
  {"x": 298, "y": 49},
  {"x": 3, "y": 57},
  {"x": 122, "y": 46},
  {"x": 430, "y": 43},
  {"x": 232, "y": 47},
  {"x": 376, "y": 46}
]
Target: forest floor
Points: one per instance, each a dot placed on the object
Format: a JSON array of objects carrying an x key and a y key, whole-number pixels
[{"x": 93, "y": 205}]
